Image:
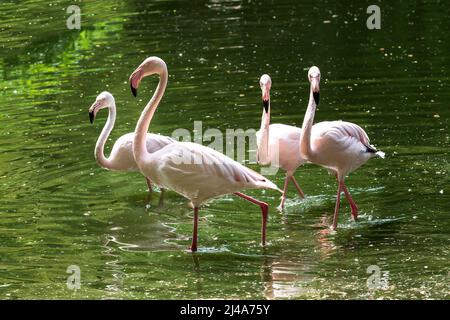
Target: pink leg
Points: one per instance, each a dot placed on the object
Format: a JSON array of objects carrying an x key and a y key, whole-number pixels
[
  {"x": 161, "y": 198},
  {"x": 336, "y": 208},
  {"x": 194, "y": 233},
  {"x": 352, "y": 203},
  {"x": 149, "y": 184},
  {"x": 283, "y": 197},
  {"x": 349, "y": 199},
  {"x": 264, "y": 210},
  {"x": 300, "y": 192}
]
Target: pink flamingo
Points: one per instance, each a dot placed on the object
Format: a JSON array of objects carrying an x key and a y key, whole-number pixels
[
  {"x": 339, "y": 146},
  {"x": 121, "y": 157},
  {"x": 278, "y": 144},
  {"x": 197, "y": 172}
]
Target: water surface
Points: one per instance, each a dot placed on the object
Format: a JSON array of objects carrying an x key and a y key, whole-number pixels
[{"x": 58, "y": 208}]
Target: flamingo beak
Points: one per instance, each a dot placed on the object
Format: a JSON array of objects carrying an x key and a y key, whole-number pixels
[
  {"x": 315, "y": 90},
  {"x": 91, "y": 116},
  {"x": 93, "y": 111},
  {"x": 265, "y": 99},
  {"x": 133, "y": 90},
  {"x": 135, "y": 78}
]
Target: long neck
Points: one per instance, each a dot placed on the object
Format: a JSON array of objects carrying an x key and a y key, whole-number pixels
[
  {"x": 263, "y": 145},
  {"x": 305, "y": 141},
  {"x": 140, "y": 133},
  {"x": 100, "y": 146}
]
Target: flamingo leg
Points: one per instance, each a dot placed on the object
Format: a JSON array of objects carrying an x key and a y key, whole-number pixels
[
  {"x": 349, "y": 199},
  {"x": 161, "y": 198},
  {"x": 352, "y": 203},
  {"x": 194, "y": 233},
  {"x": 300, "y": 192},
  {"x": 149, "y": 184},
  {"x": 336, "y": 208},
  {"x": 283, "y": 197},
  {"x": 264, "y": 210}
]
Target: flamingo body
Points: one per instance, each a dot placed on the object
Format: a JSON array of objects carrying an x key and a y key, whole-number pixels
[
  {"x": 341, "y": 146},
  {"x": 284, "y": 140},
  {"x": 200, "y": 173},
  {"x": 121, "y": 156}
]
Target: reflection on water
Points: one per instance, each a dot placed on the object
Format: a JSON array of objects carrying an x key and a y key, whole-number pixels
[
  {"x": 58, "y": 208},
  {"x": 113, "y": 265},
  {"x": 285, "y": 279}
]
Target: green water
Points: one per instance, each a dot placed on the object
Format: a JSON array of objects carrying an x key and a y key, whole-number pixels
[{"x": 58, "y": 208}]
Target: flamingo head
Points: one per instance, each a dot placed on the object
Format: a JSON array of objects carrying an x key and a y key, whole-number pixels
[
  {"x": 265, "y": 83},
  {"x": 103, "y": 100},
  {"x": 150, "y": 66},
  {"x": 314, "y": 79}
]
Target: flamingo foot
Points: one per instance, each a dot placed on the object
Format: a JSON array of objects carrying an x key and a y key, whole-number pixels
[{"x": 280, "y": 208}]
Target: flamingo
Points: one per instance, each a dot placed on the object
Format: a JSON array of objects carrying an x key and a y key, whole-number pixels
[
  {"x": 339, "y": 146},
  {"x": 121, "y": 157},
  {"x": 196, "y": 172},
  {"x": 278, "y": 144}
]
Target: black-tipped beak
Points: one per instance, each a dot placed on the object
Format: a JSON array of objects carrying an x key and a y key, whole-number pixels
[
  {"x": 133, "y": 90},
  {"x": 316, "y": 96},
  {"x": 266, "y": 105},
  {"x": 91, "y": 116}
]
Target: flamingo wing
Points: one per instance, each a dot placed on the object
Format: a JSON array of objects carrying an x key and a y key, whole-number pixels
[
  {"x": 157, "y": 141},
  {"x": 200, "y": 173},
  {"x": 346, "y": 134}
]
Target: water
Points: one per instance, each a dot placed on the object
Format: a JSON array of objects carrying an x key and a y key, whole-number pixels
[{"x": 58, "y": 208}]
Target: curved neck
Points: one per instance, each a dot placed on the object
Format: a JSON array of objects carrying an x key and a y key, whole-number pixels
[
  {"x": 263, "y": 145},
  {"x": 305, "y": 141},
  {"x": 100, "y": 145},
  {"x": 140, "y": 133}
]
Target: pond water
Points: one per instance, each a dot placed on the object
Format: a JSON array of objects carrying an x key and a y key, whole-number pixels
[{"x": 58, "y": 208}]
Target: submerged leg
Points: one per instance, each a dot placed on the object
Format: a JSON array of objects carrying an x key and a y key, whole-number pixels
[
  {"x": 300, "y": 192},
  {"x": 283, "y": 197},
  {"x": 336, "y": 208},
  {"x": 264, "y": 210},
  {"x": 352, "y": 203},
  {"x": 194, "y": 232}
]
